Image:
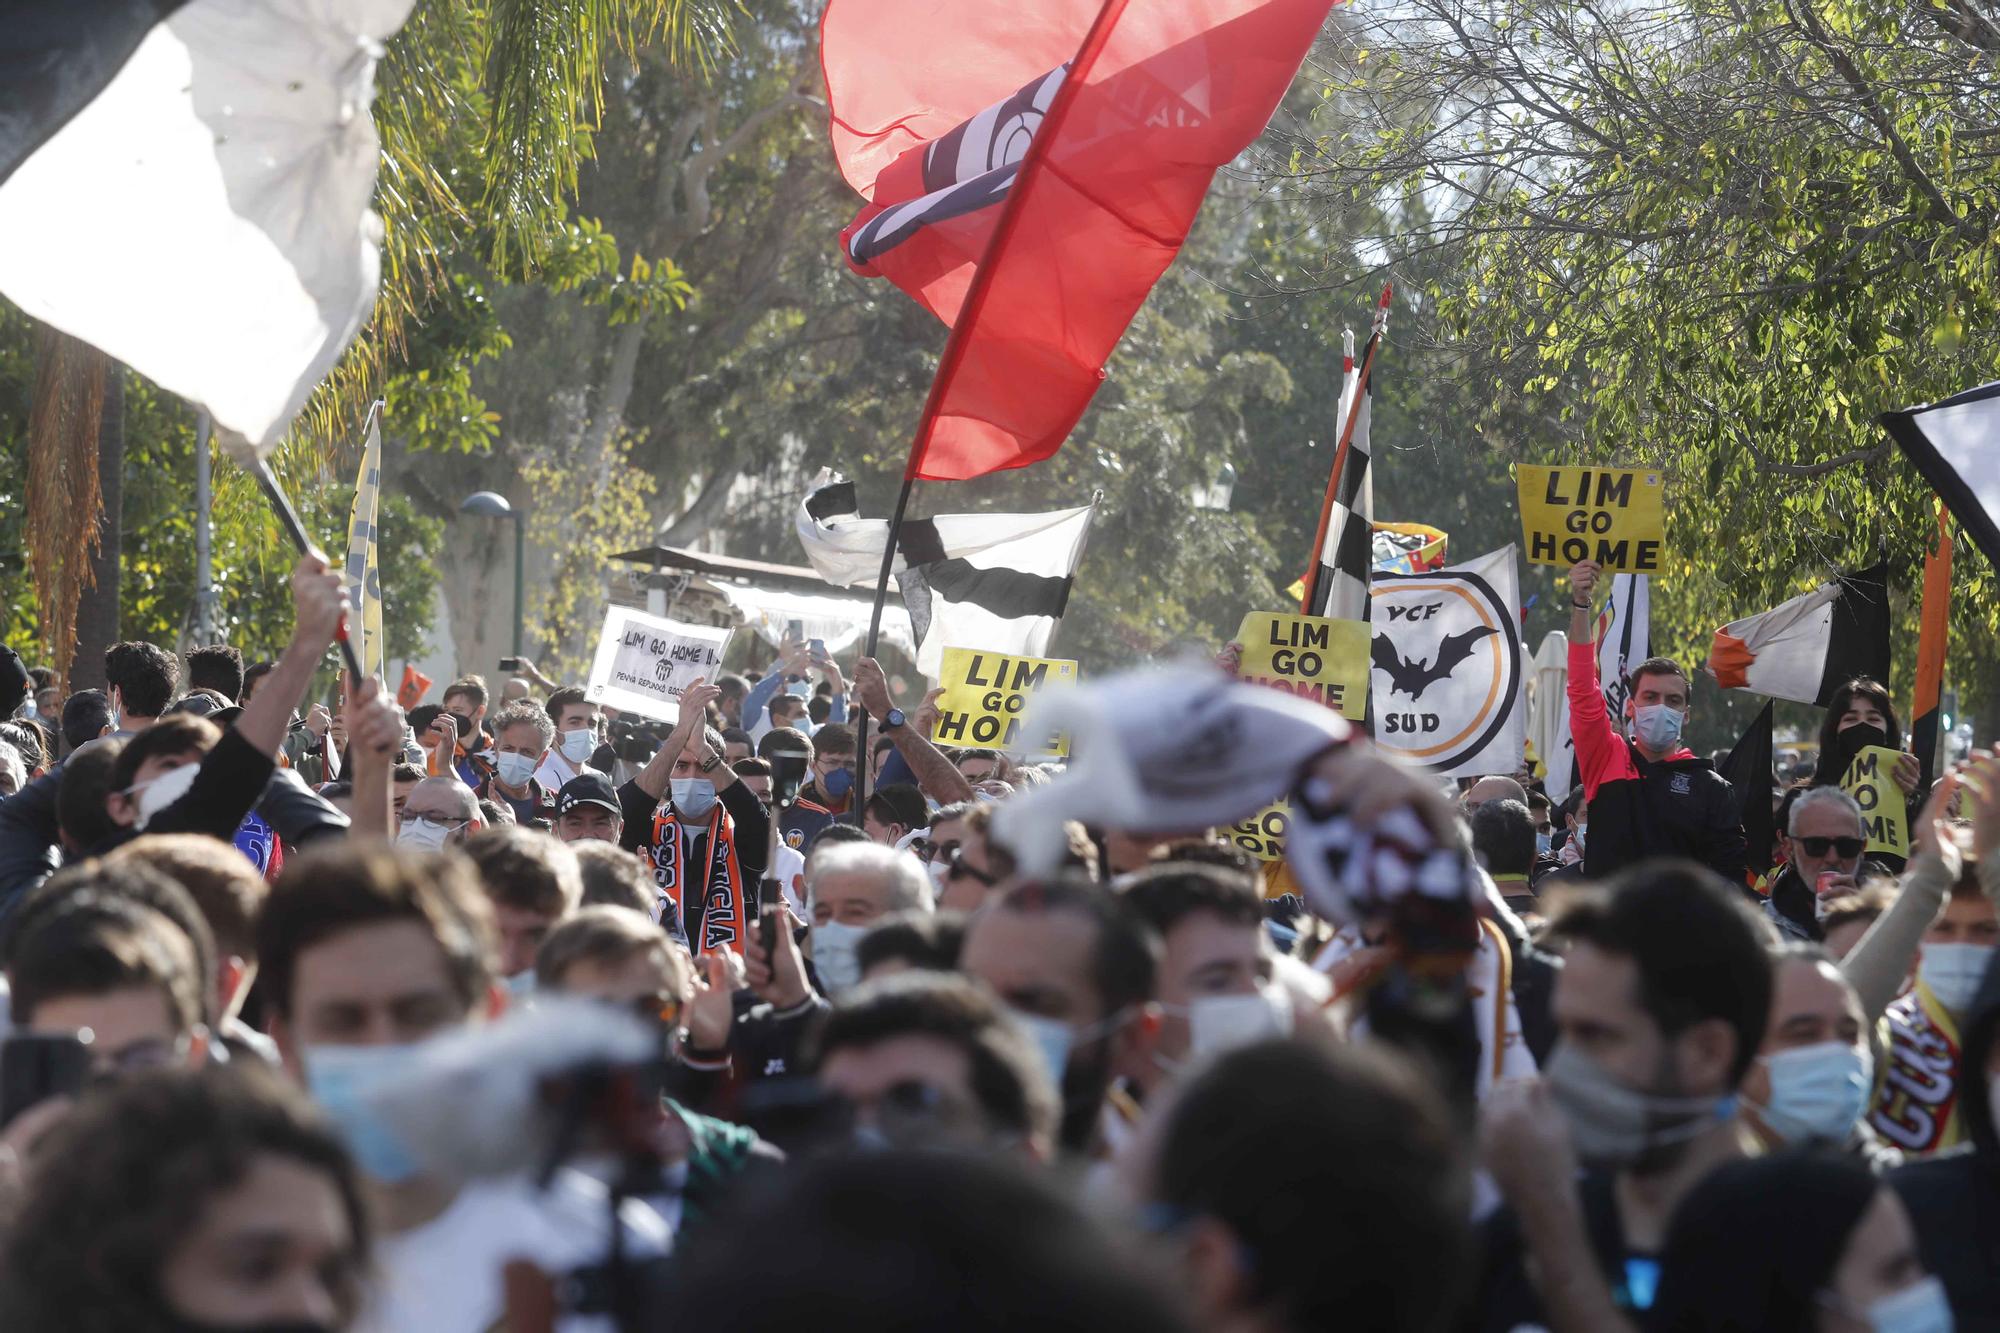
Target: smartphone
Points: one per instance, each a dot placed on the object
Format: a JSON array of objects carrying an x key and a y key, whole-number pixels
[
  {"x": 818, "y": 647},
  {"x": 35, "y": 1068},
  {"x": 510, "y": 664},
  {"x": 795, "y": 630}
]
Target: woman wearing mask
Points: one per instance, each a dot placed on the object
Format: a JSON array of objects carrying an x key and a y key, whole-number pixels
[
  {"x": 1795, "y": 1243},
  {"x": 187, "y": 1202},
  {"x": 1859, "y": 716}
]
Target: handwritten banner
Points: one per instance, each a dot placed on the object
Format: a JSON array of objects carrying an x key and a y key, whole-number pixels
[{"x": 645, "y": 663}]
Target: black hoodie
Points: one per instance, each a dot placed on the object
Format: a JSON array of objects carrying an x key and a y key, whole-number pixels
[{"x": 1954, "y": 1199}]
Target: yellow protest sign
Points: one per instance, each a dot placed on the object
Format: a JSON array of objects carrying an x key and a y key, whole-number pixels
[
  {"x": 1262, "y": 834},
  {"x": 1615, "y": 516},
  {"x": 985, "y": 694},
  {"x": 1871, "y": 782},
  {"x": 1310, "y": 656}
]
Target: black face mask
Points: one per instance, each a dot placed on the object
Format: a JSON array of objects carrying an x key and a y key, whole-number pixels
[{"x": 1853, "y": 741}]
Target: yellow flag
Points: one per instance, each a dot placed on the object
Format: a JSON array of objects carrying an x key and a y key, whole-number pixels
[{"x": 363, "y": 574}]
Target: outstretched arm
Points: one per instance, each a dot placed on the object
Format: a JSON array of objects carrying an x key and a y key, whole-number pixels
[{"x": 937, "y": 777}]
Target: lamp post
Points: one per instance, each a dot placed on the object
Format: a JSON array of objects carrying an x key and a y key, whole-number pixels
[{"x": 488, "y": 504}]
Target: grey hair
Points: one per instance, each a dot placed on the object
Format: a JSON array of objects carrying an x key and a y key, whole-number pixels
[
  {"x": 909, "y": 886},
  {"x": 1825, "y": 796},
  {"x": 10, "y": 758}
]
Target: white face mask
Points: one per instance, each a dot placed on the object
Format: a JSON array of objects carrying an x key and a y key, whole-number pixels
[
  {"x": 513, "y": 769},
  {"x": 1225, "y": 1022},
  {"x": 425, "y": 834},
  {"x": 1817, "y": 1092},
  {"x": 834, "y": 956},
  {"x": 1657, "y": 726},
  {"x": 579, "y": 745},
  {"x": 156, "y": 794},
  {"x": 1953, "y": 972}
]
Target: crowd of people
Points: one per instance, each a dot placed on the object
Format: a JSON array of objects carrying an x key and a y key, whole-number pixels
[{"x": 507, "y": 1012}]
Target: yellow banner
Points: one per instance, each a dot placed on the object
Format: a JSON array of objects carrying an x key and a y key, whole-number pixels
[
  {"x": 1262, "y": 834},
  {"x": 1615, "y": 516},
  {"x": 985, "y": 695},
  {"x": 1871, "y": 782},
  {"x": 363, "y": 574},
  {"x": 1312, "y": 657}
]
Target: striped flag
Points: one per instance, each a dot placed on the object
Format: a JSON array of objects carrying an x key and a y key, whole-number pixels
[
  {"x": 995, "y": 581},
  {"x": 184, "y": 184},
  {"x": 363, "y": 573},
  {"x": 1807, "y": 648},
  {"x": 1337, "y": 587}
]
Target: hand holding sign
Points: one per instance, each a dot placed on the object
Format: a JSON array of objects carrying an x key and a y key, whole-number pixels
[
  {"x": 1612, "y": 516},
  {"x": 1883, "y": 813},
  {"x": 1582, "y": 583}
]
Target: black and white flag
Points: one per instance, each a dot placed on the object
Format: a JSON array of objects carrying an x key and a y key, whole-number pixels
[
  {"x": 184, "y": 184},
  {"x": 1340, "y": 585},
  {"x": 1448, "y": 691},
  {"x": 1955, "y": 444},
  {"x": 993, "y": 581}
]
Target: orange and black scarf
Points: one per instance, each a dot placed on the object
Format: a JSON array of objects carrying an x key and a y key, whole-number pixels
[{"x": 723, "y": 911}]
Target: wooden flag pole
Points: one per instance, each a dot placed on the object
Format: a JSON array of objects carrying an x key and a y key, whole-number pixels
[{"x": 1340, "y": 456}]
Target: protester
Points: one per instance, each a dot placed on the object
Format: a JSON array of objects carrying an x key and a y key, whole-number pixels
[
  {"x": 1813, "y": 1075},
  {"x": 532, "y": 882},
  {"x": 1824, "y": 840},
  {"x": 924, "y": 941},
  {"x": 894, "y": 813},
  {"x": 522, "y": 740},
  {"x": 366, "y": 954},
  {"x": 1080, "y": 974},
  {"x": 849, "y": 887},
  {"x": 828, "y": 792},
  {"x": 612, "y": 877},
  {"x": 1649, "y": 795},
  {"x": 1503, "y": 838},
  {"x": 588, "y": 810},
  {"x": 189, "y": 1201},
  {"x": 1848, "y": 917},
  {"x": 576, "y": 723},
  {"x": 439, "y": 812},
  {"x": 924, "y": 1060},
  {"x": 454, "y": 737},
  {"x": 1859, "y": 715}
]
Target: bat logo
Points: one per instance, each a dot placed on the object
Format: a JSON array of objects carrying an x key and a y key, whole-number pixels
[{"x": 1413, "y": 678}]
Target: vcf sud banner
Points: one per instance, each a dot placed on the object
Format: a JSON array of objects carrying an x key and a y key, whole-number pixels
[
  {"x": 985, "y": 694},
  {"x": 1614, "y": 516},
  {"x": 1310, "y": 656},
  {"x": 645, "y": 663},
  {"x": 1449, "y": 684}
]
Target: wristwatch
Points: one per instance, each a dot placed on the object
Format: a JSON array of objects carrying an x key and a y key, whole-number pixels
[{"x": 893, "y": 719}]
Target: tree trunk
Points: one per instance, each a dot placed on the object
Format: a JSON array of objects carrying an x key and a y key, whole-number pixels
[{"x": 97, "y": 610}]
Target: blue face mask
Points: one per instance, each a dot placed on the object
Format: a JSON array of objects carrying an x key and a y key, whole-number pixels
[
  {"x": 1657, "y": 727},
  {"x": 1920, "y": 1308},
  {"x": 341, "y": 1079},
  {"x": 838, "y": 783},
  {"x": 1543, "y": 843},
  {"x": 1052, "y": 1037},
  {"x": 693, "y": 798},
  {"x": 1817, "y": 1092}
]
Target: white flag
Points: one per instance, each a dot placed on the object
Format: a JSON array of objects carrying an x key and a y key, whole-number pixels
[{"x": 1448, "y": 688}]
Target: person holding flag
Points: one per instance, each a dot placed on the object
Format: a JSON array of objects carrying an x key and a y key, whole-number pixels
[{"x": 1649, "y": 795}]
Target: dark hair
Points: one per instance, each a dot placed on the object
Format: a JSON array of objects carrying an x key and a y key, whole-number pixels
[
  {"x": 1166, "y": 894},
  {"x": 144, "y": 675},
  {"x": 1699, "y": 951},
  {"x": 783, "y": 738},
  {"x": 127, "y": 1175},
  {"x": 217, "y": 667},
  {"x": 915, "y": 1240},
  {"x": 169, "y": 736},
  {"x": 43, "y": 677},
  {"x": 1538, "y": 798},
  {"x": 495, "y": 814},
  {"x": 819, "y": 708},
  {"x": 835, "y": 833},
  {"x": 882, "y": 743},
  {"x": 1658, "y": 666},
  {"x": 86, "y": 781},
  {"x": 607, "y": 935},
  {"x": 738, "y": 736},
  {"x": 340, "y": 789},
  {"x": 899, "y": 803},
  {"x": 752, "y": 768},
  {"x": 406, "y": 773},
  {"x": 1503, "y": 837},
  {"x": 85, "y": 715},
  {"x": 93, "y": 943},
  {"x": 1009, "y": 1078},
  {"x": 1865, "y": 904},
  {"x": 337, "y": 887},
  {"x": 927, "y": 941},
  {"x": 1125, "y": 957},
  {"x": 1370, "y": 1229},
  {"x": 731, "y": 685},
  {"x": 563, "y": 698},
  {"x": 786, "y": 701},
  {"x": 527, "y": 870},
  {"x": 472, "y": 687},
  {"x": 1211, "y": 852},
  {"x": 613, "y": 877},
  {"x": 219, "y": 879},
  {"x": 833, "y": 736},
  {"x": 29, "y": 740},
  {"x": 1861, "y": 687},
  {"x": 129, "y": 880}
]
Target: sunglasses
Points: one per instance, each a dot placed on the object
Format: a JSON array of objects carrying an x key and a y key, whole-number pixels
[
  {"x": 1849, "y": 848},
  {"x": 957, "y": 869}
]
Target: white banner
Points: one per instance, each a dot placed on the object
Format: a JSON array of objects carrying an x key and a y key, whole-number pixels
[
  {"x": 1448, "y": 691},
  {"x": 645, "y": 663}
]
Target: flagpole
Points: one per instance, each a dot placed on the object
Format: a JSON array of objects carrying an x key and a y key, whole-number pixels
[
  {"x": 1340, "y": 454},
  {"x": 861, "y": 756},
  {"x": 1931, "y": 638}
]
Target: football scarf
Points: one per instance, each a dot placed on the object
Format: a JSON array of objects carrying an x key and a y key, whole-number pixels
[
  {"x": 1916, "y": 1107},
  {"x": 724, "y": 913}
]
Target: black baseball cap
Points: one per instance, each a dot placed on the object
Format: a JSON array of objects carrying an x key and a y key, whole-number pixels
[{"x": 587, "y": 789}]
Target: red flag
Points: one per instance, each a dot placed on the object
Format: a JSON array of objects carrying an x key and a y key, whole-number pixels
[
  {"x": 1032, "y": 205},
  {"x": 414, "y": 687}
]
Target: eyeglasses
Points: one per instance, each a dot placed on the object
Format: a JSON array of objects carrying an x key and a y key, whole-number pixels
[
  {"x": 956, "y": 869},
  {"x": 1849, "y": 848},
  {"x": 445, "y": 822}
]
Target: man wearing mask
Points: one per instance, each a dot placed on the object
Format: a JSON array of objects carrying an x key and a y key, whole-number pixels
[
  {"x": 1812, "y": 1078},
  {"x": 1660, "y": 1008},
  {"x": 1079, "y": 973},
  {"x": 575, "y": 720},
  {"x": 1216, "y": 986},
  {"x": 705, "y": 836},
  {"x": 587, "y": 810},
  {"x": 440, "y": 812},
  {"x": 366, "y": 954},
  {"x": 522, "y": 737},
  {"x": 1649, "y": 795},
  {"x": 464, "y": 711},
  {"x": 829, "y": 792},
  {"x": 1824, "y": 841},
  {"x": 849, "y": 887}
]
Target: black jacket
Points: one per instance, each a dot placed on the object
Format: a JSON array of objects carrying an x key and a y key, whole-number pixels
[
  {"x": 753, "y": 840},
  {"x": 1954, "y": 1199},
  {"x": 1676, "y": 807}
]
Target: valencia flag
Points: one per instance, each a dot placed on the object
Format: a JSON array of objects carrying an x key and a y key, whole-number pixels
[{"x": 1031, "y": 170}]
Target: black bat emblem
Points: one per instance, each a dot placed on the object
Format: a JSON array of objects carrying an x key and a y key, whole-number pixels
[{"x": 1413, "y": 678}]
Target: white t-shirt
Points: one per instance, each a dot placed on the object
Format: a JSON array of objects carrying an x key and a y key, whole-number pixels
[
  {"x": 445, "y": 1276},
  {"x": 556, "y": 770}
]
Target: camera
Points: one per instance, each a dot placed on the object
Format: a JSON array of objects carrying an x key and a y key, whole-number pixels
[{"x": 634, "y": 742}]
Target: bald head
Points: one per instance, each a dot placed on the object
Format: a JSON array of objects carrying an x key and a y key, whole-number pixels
[
  {"x": 444, "y": 799},
  {"x": 1495, "y": 789}
]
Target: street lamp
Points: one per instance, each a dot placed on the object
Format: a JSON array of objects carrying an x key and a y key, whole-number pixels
[{"x": 488, "y": 504}]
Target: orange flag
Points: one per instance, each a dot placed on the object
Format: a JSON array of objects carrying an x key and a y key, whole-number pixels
[{"x": 413, "y": 689}]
